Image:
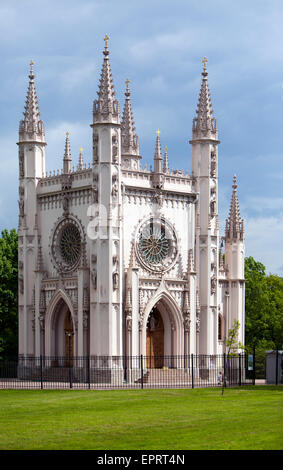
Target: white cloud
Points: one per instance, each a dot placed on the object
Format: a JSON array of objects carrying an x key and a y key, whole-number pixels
[{"x": 264, "y": 241}]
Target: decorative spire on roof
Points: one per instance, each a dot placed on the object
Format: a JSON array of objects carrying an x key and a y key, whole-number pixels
[
  {"x": 165, "y": 163},
  {"x": 130, "y": 140},
  {"x": 191, "y": 266},
  {"x": 204, "y": 125},
  {"x": 31, "y": 124},
  {"x": 132, "y": 261},
  {"x": 67, "y": 161},
  {"x": 158, "y": 153},
  {"x": 186, "y": 304},
  {"x": 234, "y": 223},
  {"x": 158, "y": 178},
  {"x": 106, "y": 108},
  {"x": 81, "y": 160}
]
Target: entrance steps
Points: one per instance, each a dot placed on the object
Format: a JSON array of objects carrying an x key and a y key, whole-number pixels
[
  {"x": 166, "y": 376},
  {"x": 57, "y": 374}
]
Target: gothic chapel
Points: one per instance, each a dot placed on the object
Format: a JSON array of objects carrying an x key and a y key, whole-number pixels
[{"x": 122, "y": 259}]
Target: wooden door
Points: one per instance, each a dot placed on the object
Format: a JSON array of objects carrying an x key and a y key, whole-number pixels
[
  {"x": 69, "y": 338},
  {"x": 155, "y": 340}
]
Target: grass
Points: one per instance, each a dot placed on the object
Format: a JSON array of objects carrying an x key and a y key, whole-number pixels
[{"x": 244, "y": 418}]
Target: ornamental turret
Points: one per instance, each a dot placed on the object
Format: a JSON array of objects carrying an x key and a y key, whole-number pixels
[
  {"x": 31, "y": 127},
  {"x": 106, "y": 241},
  {"x": 166, "y": 163},
  {"x": 234, "y": 238},
  {"x": 205, "y": 173},
  {"x": 158, "y": 176},
  {"x": 106, "y": 107},
  {"x": 67, "y": 161},
  {"x": 204, "y": 124},
  {"x": 129, "y": 139},
  {"x": 234, "y": 224}
]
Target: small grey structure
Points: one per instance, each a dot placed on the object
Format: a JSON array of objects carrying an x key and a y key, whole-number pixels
[{"x": 274, "y": 367}]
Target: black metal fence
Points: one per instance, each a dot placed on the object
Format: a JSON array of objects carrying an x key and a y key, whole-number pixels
[{"x": 127, "y": 372}]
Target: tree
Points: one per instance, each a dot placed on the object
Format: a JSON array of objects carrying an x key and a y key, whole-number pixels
[
  {"x": 264, "y": 306},
  {"x": 9, "y": 293},
  {"x": 257, "y": 302},
  {"x": 275, "y": 319},
  {"x": 233, "y": 345}
]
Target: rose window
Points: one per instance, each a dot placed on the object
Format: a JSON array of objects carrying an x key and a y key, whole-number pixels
[
  {"x": 157, "y": 244},
  {"x": 66, "y": 246}
]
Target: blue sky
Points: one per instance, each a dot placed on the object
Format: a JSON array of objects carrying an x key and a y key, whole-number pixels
[{"x": 159, "y": 46}]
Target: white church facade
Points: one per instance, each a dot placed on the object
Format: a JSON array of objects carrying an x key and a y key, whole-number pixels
[{"x": 117, "y": 259}]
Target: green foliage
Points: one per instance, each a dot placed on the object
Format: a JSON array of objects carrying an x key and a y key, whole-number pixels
[
  {"x": 8, "y": 293},
  {"x": 264, "y": 306},
  {"x": 232, "y": 342}
]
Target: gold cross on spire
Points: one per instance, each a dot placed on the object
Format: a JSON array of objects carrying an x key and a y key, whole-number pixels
[
  {"x": 81, "y": 149},
  {"x": 158, "y": 132},
  {"x": 67, "y": 134},
  {"x": 31, "y": 64},
  {"x": 127, "y": 82},
  {"x": 204, "y": 63},
  {"x": 106, "y": 40}
]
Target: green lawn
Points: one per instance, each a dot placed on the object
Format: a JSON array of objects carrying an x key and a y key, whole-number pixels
[{"x": 244, "y": 418}]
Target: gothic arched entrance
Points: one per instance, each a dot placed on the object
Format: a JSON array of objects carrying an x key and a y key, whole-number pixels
[
  {"x": 154, "y": 340},
  {"x": 69, "y": 337},
  {"x": 61, "y": 332}
]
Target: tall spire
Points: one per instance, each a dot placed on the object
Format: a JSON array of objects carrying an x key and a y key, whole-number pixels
[
  {"x": 130, "y": 141},
  {"x": 67, "y": 161},
  {"x": 234, "y": 223},
  {"x": 31, "y": 127},
  {"x": 106, "y": 108},
  {"x": 204, "y": 125}
]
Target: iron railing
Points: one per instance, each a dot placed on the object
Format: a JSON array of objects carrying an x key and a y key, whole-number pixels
[{"x": 126, "y": 372}]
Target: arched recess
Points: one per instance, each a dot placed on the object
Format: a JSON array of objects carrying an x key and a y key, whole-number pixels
[
  {"x": 172, "y": 320},
  {"x": 59, "y": 314}
]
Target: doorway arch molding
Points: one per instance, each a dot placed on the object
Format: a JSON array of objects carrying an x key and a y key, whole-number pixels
[
  {"x": 59, "y": 297},
  {"x": 171, "y": 315}
]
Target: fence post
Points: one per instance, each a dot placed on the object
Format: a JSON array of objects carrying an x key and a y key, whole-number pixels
[
  {"x": 276, "y": 369},
  {"x": 192, "y": 366},
  {"x": 141, "y": 360},
  {"x": 254, "y": 365},
  {"x": 41, "y": 373},
  {"x": 70, "y": 372},
  {"x": 240, "y": 370},
  {"x": 88, "y": 368},
  {"x": 224, "y": 378}
]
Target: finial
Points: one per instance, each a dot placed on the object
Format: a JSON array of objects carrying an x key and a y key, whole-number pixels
[
  {"x": 234, "y": 186},
  {"x": 106, "y": 38},
  {"x": 81, "y": 149},
  {"x": 67, "y": 134},
  {"x": 204, "y": 63},
  {"x": 158, "y": 132},
  {"x": 31, "y": 65},
  {"x": 127, "y": 94},
  {"x": 166, "y": 148}
]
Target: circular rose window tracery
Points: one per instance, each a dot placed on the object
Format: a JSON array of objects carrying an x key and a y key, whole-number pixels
[
  {"x": 66, "y": 245},
  {"x": 157, "y": 244}
]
